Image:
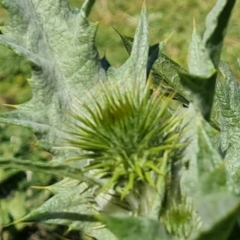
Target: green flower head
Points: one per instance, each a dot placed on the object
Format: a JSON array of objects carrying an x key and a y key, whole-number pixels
[{"x": 128, "y": 137}]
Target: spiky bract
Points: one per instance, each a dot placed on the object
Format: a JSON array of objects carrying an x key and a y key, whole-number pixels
[
  {"x": 128, "y": 137},
  {"x": 181, "y": 219}
]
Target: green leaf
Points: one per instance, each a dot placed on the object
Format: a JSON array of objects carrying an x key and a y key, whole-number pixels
[
  {"x": 164, "y": 70},
  {"x": 152, "y": 52},
  {"x": 133, "y": 71},
  {"x": 127, "y": 41},
  {"x": 215, "y": 113},
  {"x": 58, "y": 41},
  {"x": 71, "y": 216},
  {"x": 204, "y": 55},
  {"x": 199, "y": 62},
  {"x": 200, "y": 83},
  {"x": 53, "y": 168},
  {"x": 200, "y": 91},
  {"x": 216, "y": 25},
  {"x": 129, "y": 228},
  {"x": 228, "y": 96},
  {"x": 217, "y": 207},
  {"x": 87, "y": 7},
  {"x": 166, "y": 77},
  {"x": 73, "y": 206},
  {"x": 200, "y": 155},
  {"x": 219, "y": 212}
]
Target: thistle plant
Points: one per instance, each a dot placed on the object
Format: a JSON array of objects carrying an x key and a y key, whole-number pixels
[
  {"x": 126, "y": 136},
  {"x": 134, "y": 165}
]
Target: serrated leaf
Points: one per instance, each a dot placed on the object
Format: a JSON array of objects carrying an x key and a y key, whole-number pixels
[
  {"x": 216, "y": 25},
  {"x": 216, "y": 206},
  {"x": 152, "y": 51},
  {"x": 199, "y": 62},
  {"x": 127, "y": 41},
  {"x": 129, "y": 228},
  {"x": 166, "y": 73},
  {"x": 158, "y": 77},
  {"x": 204, "y": 55},
  {"x": 72, "y": 206},
  {"x": 54, "y": 168},
  {"x": 58, "y": 41},
  {"x": 134, "y": 69},
  {"x": 228, "y": 96},
  {"x": 200, "y": 155},
  {"x": 228, "y": 93}
]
